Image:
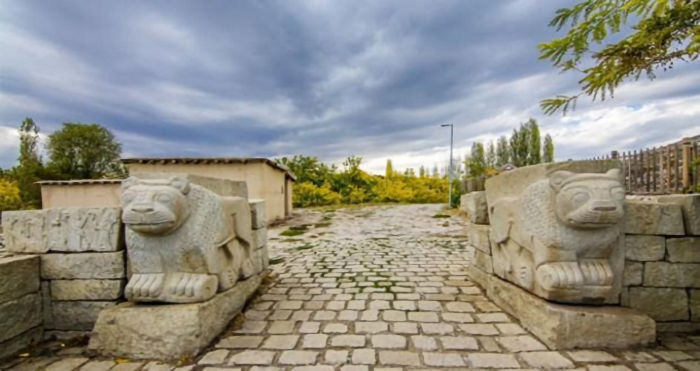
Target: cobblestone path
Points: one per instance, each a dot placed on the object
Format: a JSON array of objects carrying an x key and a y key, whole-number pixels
[{"x": 383, "y": 288}]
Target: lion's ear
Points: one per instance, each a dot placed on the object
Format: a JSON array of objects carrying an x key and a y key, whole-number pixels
[
  {"x": 614, "y": 173},
  {"x": 129, "y": 182},
  {"x": 557, "y": 178},
  {"x": 181, "y": 184}
]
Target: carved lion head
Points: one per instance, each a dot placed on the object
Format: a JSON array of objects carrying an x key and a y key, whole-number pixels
[
  {"x": 154, "y": 206},
  {"x": 588, "y": 200}
]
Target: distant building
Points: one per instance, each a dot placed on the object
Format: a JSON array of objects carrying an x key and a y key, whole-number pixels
[{"x": 265, "y": 178}]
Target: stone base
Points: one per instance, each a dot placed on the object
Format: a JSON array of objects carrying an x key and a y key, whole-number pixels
[
  {"x": 569, "y": 326},
  {"x": 168, "y": 331}
]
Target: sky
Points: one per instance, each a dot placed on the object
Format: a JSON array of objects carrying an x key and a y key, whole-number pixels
[{"x": 320, "y": 78}]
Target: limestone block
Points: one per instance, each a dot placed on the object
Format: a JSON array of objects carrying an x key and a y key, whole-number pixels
[
  {"x": 185, "y": 241},
  {"x": 556, "y": 229},
  {"x": 86, "y": 289},
  {"x": 663, "y": 274},
  {"x": 168, "y": 331},
  {"x": 19, "y": 275},
  {"x": 66, "y": 334},
  {"x": 573, "y": 326},
  {"x": 257, "y": 212},
  {"x": 690, "y": 206},
  {"x": 632, "y": 275},
  {"x": 77, "y": 315},
  {"x": 693, "y": 327},
  {"x": 683, "y": 250},
  {"x": 19, "y": 315},
  {"x": 259, "y": 237},
  {"x": 474, "y": 204},
  {"x": 483, "y": 261},
  {"x": 67, "y": 229},
  {"x": 264, "y": 256},
  {"x": 644, "y": 247},
  {"x": 18, "y": 343},
  {"x": 661, "y": 304},
  {"x": 46, "y": 304},
  {"x": 25, "y": 231},
  {"x": 479, "y": 237},
  {"x": 648, "y": 217},
  {"x": 95, "y": 265},
  {"x": 695, "y": 305}
]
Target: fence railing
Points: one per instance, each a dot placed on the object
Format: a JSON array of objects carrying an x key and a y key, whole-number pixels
[{"x": 669, "y": 169}]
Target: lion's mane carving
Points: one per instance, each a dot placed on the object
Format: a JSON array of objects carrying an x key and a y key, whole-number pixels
[
  {"x": 184, "y": 242},
  {"x": 555, "y": 238}
]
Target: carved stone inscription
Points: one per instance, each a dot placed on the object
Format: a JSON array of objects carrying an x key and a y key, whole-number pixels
[
  {"x": 557, "y": 235},
  {"x": 62, "y": 229}
]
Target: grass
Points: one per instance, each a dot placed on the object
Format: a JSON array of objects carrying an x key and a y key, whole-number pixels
[
  {"x": 295, "y": 230},
  {"x": 274, "y": 261},
  {"x": 438, "y": 216},
  {"x": 304, "y": 247}
]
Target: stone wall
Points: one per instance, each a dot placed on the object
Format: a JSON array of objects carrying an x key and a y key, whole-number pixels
[
  {"x": 82, "y": 266},
  {"x": 20, "y": 303},
  {"x": 662, "y": 260},
  {"x": 474, "y": 205}
]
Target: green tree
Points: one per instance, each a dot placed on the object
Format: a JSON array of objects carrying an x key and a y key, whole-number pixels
[
  {"x": 9, "y": 195},
  {"x": 476, "y": 163},
  {"x": 436, "y": 171},
  {"x": 502, "y": 151},
  {"x": 30, "y": 168},
  {"x": 490, "y": 155},
  {"x": 84, "y": 151},
  {"x": 308, "y": 169},
  {"x": 422, "y": 171},
  {"x": 665, "y": 32},
  {"x": 519, "y": 145},
  {"x": 389, "y": 172},
  {"x": 534, "y": 145},
  {"x": 548, "y": 155}
]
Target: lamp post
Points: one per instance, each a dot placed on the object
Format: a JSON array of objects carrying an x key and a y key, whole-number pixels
[{"x": 449, "y": 174}]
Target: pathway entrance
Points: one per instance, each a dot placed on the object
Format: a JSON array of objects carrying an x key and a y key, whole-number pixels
[{"x": 383, "y": 288}]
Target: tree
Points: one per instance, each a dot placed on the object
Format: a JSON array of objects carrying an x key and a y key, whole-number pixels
[
  {"x": 436, "y": 171},
  {"x": 534, "y": 150},
  {"x": 422, "y": 171},
  {"x": 548, "y": 155},
  {"x": 30, "y": 168},
  {"x": 389, "y": 173},
  {"x": 476, "y": 163},
  {"x": 665, "y": 32},
  {"x": 502, "y": 151},
  {"x": 490, "y": 155},
  {"x": 9, "y": 195},
  {"x": 84, "y": 151},
  {"x": 519, "y": 145}
]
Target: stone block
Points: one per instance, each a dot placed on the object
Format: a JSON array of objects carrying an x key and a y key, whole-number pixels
[
  {"x": 474, "y": 204},
  {"x": 168, "y": 331},
  {"x": 65, "y": 229},
  {"x": 25, "y": 231},
  {"x": 259, "y": 237},
  {"x": 695, "y": 305},
  {"x": 19, "y": 315},
  {"x": 65, "y": 335},
  {"x": 661, "y": 304},
  {"x": 18, "y": 343},
  {"x": 479, "y": 237},
  {"x": 690, "y": 206},
  {"x": 19, "y": 275},
  {"x": 107, "y": 265},
  {"x": 562, "y": 326},
  {"x": 684, "y": 326},
  {"x": 556, "y": 229},
  {"x": 46, "y": 304},
  {"x": 683, "y": 250},
  {"x": 648, "y": 217},
  {"x": 663, "y": 274},
  {"x": 644, "y": 248},
  {"x": 87, "y": 289},
  {"x": 257, "y": 212},
  {"x": 632, "y": 275},
  {"x": 77, "y": 315},
  {"x": 483, "y": 261}
]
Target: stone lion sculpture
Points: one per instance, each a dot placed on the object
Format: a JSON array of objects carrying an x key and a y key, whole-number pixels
[
  {"x": 555, "y": 238},
  {"x": 184, "y": 242}
]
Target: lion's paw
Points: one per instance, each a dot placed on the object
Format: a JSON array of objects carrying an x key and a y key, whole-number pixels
[
  {"x": 559, "y": 275},
  {"x": 190, "y": 287},
  {"x": 144, "y": 287},
  {"x": 597, "y": 272}
]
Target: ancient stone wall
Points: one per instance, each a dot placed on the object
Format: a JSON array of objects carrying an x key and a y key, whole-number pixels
[
  {"x": 82, "y": 265},
  {"x": 662, "y": 260},
  {"x": 20, "y": 303}
]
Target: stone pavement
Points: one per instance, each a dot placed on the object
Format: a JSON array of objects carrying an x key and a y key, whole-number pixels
[{"x": 380, "y": 288}]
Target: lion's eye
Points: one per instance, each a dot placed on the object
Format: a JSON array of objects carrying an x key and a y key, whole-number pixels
[
  {"x": 580, "y": 197},
  {"x": 617, "y": 193},
  {"x": 165, "y": 198}
]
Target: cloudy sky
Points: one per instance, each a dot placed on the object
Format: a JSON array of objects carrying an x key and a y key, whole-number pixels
[{"x": 322, "y": 78}]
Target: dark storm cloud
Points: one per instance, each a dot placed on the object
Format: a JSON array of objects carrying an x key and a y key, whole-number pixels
[{"x": 325, "y": 78}]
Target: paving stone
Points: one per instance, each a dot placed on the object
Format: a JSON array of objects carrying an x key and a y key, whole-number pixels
[
  {"x": 424, "y": 342},
  {"x": 493, "y": 360},
  {"x": 423, "y": 317},
  {"x": 335, "y": 328},
  {"x": 388, "y": 341},
  {"x": 429, "y": 305},
  {"x": 546, "y": 360},
  {"x": 314, "y": 341},
  {"x": 281, "y": 327},
  {"x": 352, "y": 341},
  {"x": 67, "y": 364},
  {"x": 591, "y": 356},
  {"x": 240, "y": 342},
  {"x": 520, "y": 343},
  {"x": 336, "y": 356},
  {"x": 364, "y": 356},
  {"x": 214, "y": 357},
  {"x": 97, "y": 366},
  {"x": 298, "y": 357},
  {"x": 404, "y": 327},
  {"x": 443, "y": 359},
  {"x": 654, "y": 366},
  {"x": 252, "y": 357},
  {"x": 309, "y": 327},
  {"x": 479, "y": 329},
  {"x": 510, "y": 329},
  {"x": 436, "y": 328},
  {"x": 372, "y": 327},
  {"x": 457, "y": 317},
  {"x": 459, "y": 307},
  {"x": 400, "y": 358},
  {"x": 459, "y": 342},
  {"x": 281, "y": 342}
]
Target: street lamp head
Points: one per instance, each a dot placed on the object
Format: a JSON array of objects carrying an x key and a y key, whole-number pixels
[{"x": 445, "y": 125}]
